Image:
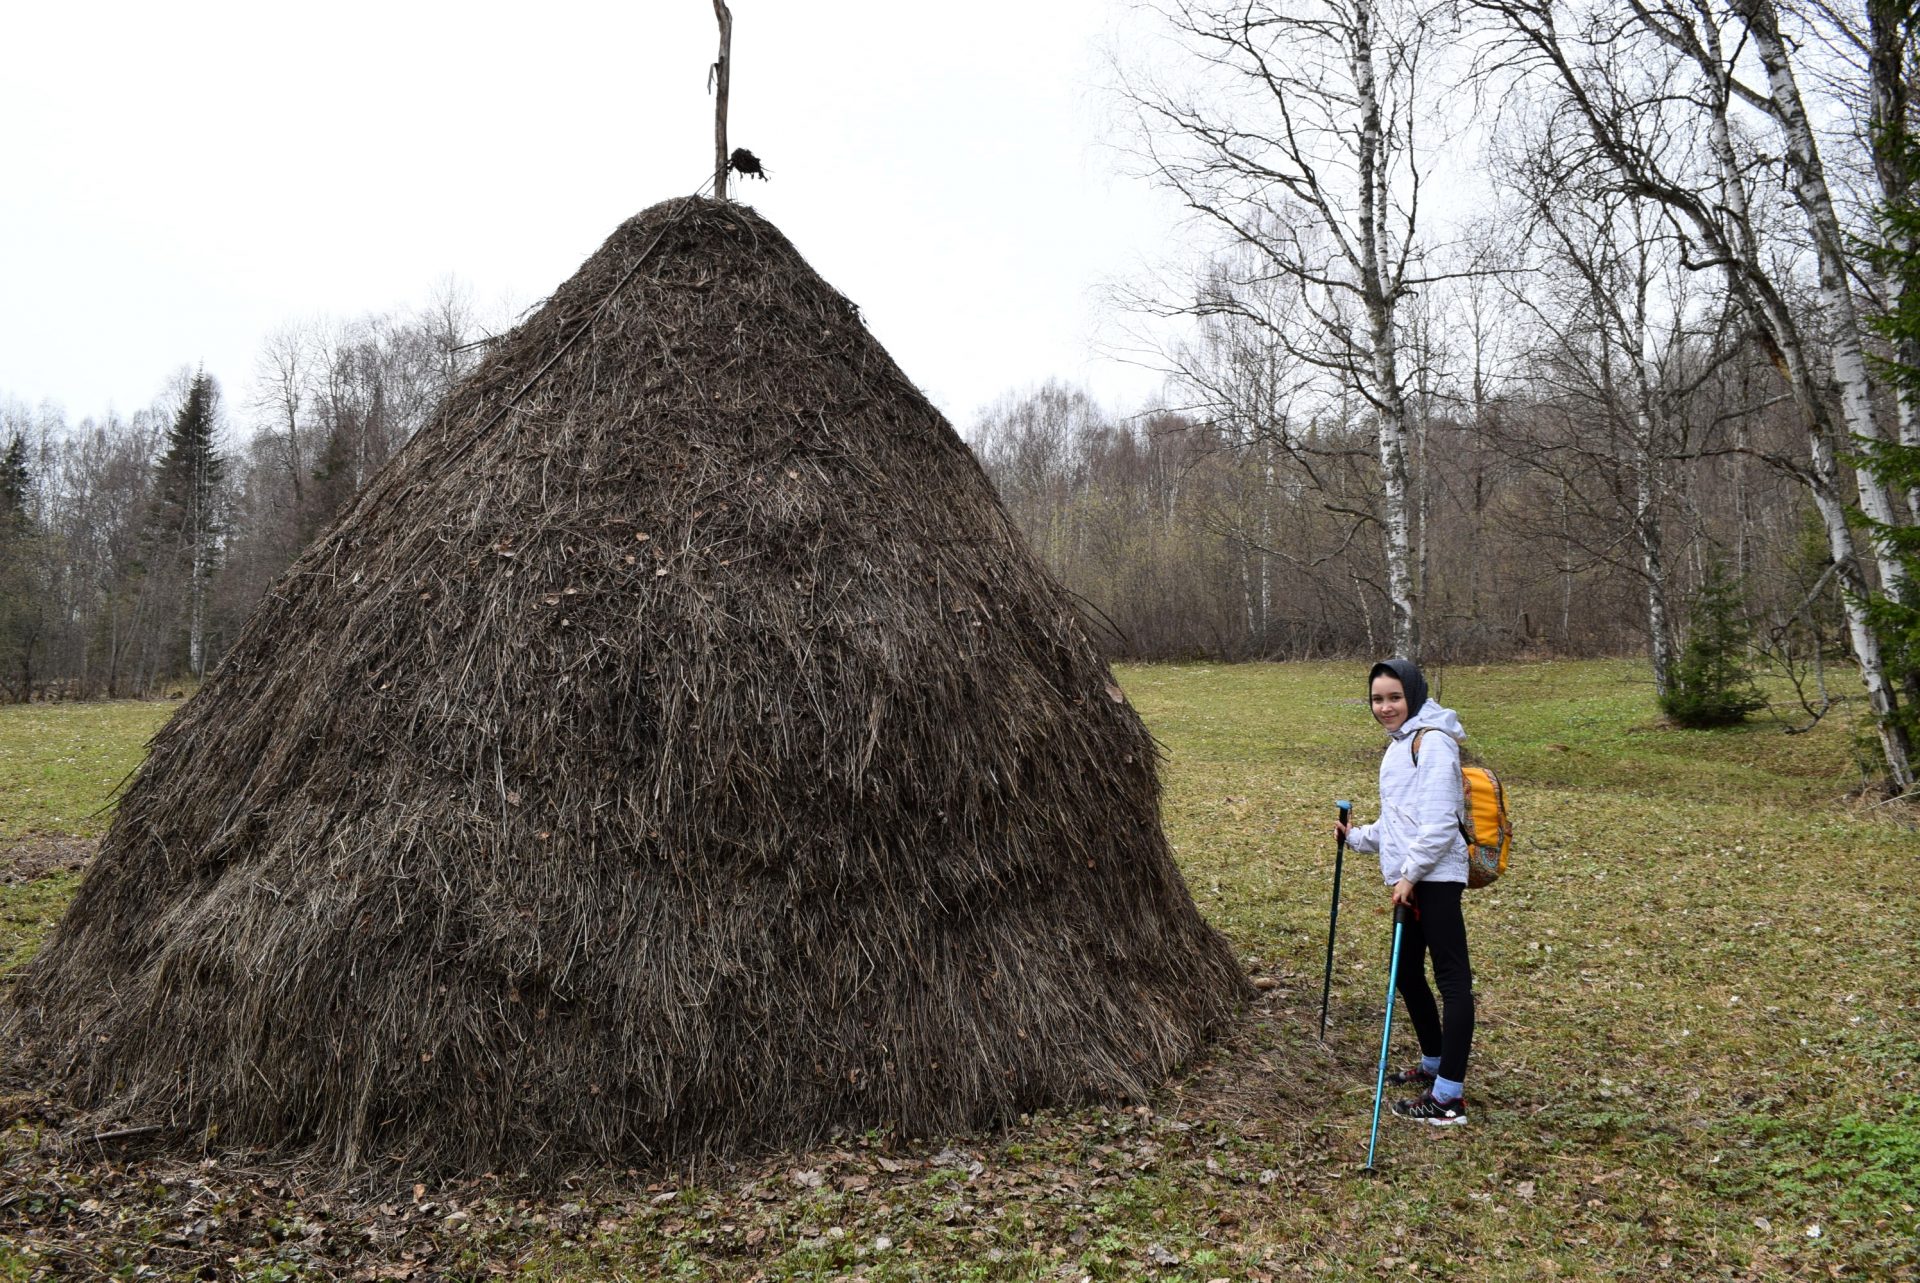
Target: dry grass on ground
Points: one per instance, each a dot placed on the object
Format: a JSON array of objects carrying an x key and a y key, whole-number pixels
[{"x": 1699, "y": 1052}]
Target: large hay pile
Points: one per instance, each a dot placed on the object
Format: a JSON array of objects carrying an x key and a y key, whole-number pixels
[{"x": 674, "y": 750}]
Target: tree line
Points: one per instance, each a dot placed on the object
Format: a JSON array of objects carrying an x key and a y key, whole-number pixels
[
  {"x": 132, "y": 548},
  {"x": 1538, "y": 298},
  {"x": 1502, "y": 327}
]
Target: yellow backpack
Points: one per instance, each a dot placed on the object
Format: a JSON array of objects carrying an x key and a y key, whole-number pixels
[{"x": 1485, "y": 826}]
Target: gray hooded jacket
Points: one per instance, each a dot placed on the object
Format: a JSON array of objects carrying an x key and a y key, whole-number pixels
[{"x": 1418, "y": 833}]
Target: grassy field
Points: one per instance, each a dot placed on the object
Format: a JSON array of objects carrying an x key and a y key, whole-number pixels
[
  {"x": 1698, "y": 1054},
  {"x": 60, "y": 764}
]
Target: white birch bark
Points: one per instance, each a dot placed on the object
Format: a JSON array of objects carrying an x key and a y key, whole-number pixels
[
  {"x": 1380, "y": 297},
  {"x": 1866, "y": 643},
  {"x": 1848, "y": 355},
  {"x": 1909, "y": 418},
  {"x": 1822, "y": 479},
  {"x": 1266, "y": 544},
  {"x": 1312, "y": 168},
  {"x": 1646, "y": 529},
  {"x": 1648, "y": 434}
]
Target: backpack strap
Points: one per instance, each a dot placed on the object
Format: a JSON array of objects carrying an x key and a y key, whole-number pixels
[{"x": 1415, "y": 747}]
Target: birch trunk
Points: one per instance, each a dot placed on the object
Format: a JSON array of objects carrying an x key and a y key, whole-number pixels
[
  {"x": 1264, "y": 563},
  {"x": 196, "y": 631},
  {"x": 1866, "y": 643},
  {"x": 1380, "y": 300},
  {"x": 1722, "y": 221},
  {"x": 1646, "y": 507},
  {"x": 1823, "y": 226},
  {"x": 1646, "y": 529},
  {"x": 1823, "y": 483}
]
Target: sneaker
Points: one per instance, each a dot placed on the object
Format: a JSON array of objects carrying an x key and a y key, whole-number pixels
[
  {"x": 1428, "y": 1110},
  {"x": 1414, "y": 1077}
]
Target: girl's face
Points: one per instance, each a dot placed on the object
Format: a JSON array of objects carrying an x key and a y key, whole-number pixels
[{"x": 1389, "y": 702}]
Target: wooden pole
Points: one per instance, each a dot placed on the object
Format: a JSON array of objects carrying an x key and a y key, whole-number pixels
[{"x": 720, "y": 69}]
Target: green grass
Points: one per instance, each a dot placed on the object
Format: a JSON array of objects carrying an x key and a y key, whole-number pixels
[
  {"x": 28, "y": 912},
  {"x": 60, "y": 764},
  {"x": 1698, "y": 1054}
]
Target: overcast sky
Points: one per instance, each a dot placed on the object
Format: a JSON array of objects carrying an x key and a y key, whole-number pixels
[{"x": 176, "y": 180}]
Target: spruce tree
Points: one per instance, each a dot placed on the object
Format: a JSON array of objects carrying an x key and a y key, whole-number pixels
[
  {"x": 16, "y": 483},
  {"x": 1712, "y": 682},
  {"x": 22, "y": 604},
  {"x": 184, "y": 527}
]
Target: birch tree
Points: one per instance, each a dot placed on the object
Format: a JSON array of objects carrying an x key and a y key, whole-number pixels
[
  {"x": 1782, "y": 103},
  {"x": 1623, "y": 338},
  {"x": 1302, "y": 140},
  {"x": 1655, "y": 97}
]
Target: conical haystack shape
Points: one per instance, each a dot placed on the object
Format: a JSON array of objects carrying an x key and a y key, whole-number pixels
[{"x": 674, "y": 750}]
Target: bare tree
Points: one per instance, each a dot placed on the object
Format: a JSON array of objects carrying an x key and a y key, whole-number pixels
[
  {"x": 1623, "y": 337},
  {"x": 1303, "y": 143},
  {"x": 282, "y": 375},
  {"x": 1784, "y": 106},
  {"x": 1654, "y": 95}
]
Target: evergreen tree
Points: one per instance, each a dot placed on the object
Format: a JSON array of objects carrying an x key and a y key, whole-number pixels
[
  {"x": 22, "y": 604},
  {"x": 1713, "y": 682},
  {"x": 16, "y": 483},
  {"x": 184, "y": 527}
]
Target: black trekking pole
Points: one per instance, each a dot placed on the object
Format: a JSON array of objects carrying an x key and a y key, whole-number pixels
[
  {"x": 1386, "y": 1032},
  {"x": 1333, "y": 915}
]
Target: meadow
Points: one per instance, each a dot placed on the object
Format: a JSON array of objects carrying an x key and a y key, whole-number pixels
[{"x": 1698, "y": 1053}]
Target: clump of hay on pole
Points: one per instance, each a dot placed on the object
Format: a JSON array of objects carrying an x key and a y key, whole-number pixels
[{"x": 674, "y": 751}]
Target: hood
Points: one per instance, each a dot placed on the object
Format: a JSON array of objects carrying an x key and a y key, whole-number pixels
[{"x": 1433, "y": 716}]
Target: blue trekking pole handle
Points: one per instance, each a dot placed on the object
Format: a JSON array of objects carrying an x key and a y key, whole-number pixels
[
  {"x": 1386, "y": 1031},
  {"x": 1333, "y": 917}
]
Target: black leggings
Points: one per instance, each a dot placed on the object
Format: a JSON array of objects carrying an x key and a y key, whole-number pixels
[{"x": 1439, "y": 930}]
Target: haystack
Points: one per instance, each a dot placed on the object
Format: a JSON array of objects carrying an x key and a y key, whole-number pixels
[{"x": 675, "y": 750}]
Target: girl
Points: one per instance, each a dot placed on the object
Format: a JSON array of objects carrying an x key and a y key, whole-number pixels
[{"x": 1424, "y": 859}]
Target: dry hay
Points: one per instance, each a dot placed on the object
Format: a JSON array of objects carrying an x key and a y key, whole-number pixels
[{"x": 675, "y": 750}]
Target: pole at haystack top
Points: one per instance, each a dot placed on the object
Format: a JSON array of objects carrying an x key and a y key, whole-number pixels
[{"x": 725, "y": 16}]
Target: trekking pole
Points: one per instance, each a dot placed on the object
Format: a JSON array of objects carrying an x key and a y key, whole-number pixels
[
  {"x": 1333, "y": 916},
  {"x": 1386, "y": 1032}
]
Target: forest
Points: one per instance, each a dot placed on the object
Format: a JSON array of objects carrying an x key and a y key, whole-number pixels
[{"x": 1496, "y": 329}]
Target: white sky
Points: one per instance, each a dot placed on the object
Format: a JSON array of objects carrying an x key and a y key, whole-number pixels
[{"x": 177, "y": 180}]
